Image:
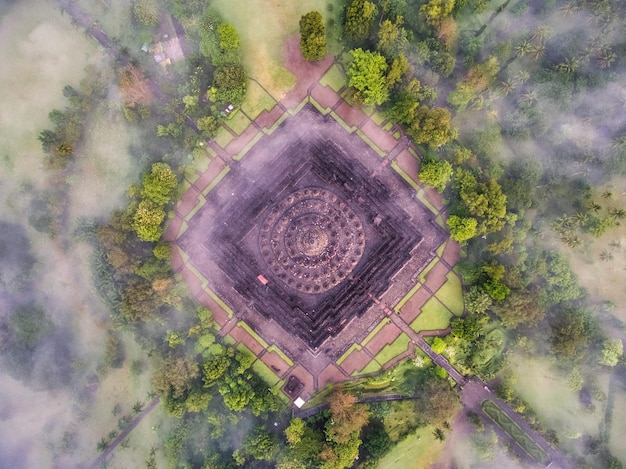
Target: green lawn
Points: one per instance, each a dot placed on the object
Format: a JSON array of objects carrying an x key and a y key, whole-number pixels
[
  {"x": 223, "y": 137},
  {"x": 334, "y": 78},
  {"x": 394, "y": 349},
  {"x": 238, "y": 123},
  {"x": 417, "y": 450},
  {"x": 434, "y": 316},
  {"x": 265, "y": 372},
  {"x": 451, "y": 294},
  {"x": 257, "y": 101}
]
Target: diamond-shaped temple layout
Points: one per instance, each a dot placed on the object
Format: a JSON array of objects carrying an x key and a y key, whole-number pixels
[{"x": 307, "y": 235}]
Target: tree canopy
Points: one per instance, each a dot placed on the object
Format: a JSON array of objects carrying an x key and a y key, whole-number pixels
[
  {"x": 312, "y": 36},
  {"x": 366, "y": 74},
  {"x": 359, "y": 20}
]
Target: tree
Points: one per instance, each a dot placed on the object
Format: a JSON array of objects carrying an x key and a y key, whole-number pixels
[
  {"x": 435, "y": 11},
  {"x": 359, "y": 20},
  {"x": 477, "y": 301},
  {"x": 147, "y": 221},
  {"x": 519, "y": 307},
  {"x": 175, "y": 376},
  {"x": 295, "y": 431},
  {"x": 366, "y": 74},
  {"x": 392, "y": 37},
  {"x": 146, "y": 12},
  {"x": 347, "y": 417},
  {"x": 134, "y": 86},
  {"x": 435, "y": 173},
  {"x": 432, "y": 126},
  {"x": 570, "y": 334},
  {"x": 462, "y": 228},
  {"x": 312, "y": 36},
  {"x": 260, "y": 444},
  {"x": 230, "y": 84},
  {"x": 612, "y": 351},
  {"x": 159, "y": 185}
]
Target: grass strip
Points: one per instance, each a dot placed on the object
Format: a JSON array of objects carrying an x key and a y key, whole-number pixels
[
  {"x": 392, "y": 350},
  {"x": 280, "y": 353},
  {"x": 405, "y": 176},
  {"x": 347, "y": 353},
  {"x": 372, "y": 145},
  {"x": 334, "y": 79},
  {"x": 407, "y": 297},
  {"x": 216, "y": 180},
  {"x": 219, "y": 301},
  {"x": 514, "y": 431},
  {"x": 250, "y": 144},
  {"x": 375, "y": 331},
  {"x": 250, "y": 331}
]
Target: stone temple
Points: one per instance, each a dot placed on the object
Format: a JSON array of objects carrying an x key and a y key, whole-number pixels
[{"x": 307, "y": 231}]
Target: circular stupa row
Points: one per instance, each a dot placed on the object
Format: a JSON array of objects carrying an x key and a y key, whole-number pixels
[{"x": 311, "y": 240}]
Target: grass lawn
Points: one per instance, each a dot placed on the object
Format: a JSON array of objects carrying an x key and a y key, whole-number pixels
[
  {"x": 265, "y": 372},
  {"x": 417, "y": 450},
  {"x": 238, "y": 123},
  {"x": 257, "y": 100},
  {"x": 223, "y": 137},
  {"x": 334, "y": 78},
  {"x": 394, "y": 349},
  {"x": 434, "y": 316},
  {"x": 372, "y": 367},
  {"x": 451, "y": 295},
  {"x": 277, "y": 19}
]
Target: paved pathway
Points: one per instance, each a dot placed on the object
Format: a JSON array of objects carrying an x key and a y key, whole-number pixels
[{"x": 122, "y": 436}]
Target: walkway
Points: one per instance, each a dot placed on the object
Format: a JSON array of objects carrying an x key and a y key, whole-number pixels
[{"x": 122, "y": 436}]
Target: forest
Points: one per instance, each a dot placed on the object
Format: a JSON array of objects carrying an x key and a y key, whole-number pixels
[{"x": 517, "y": 108}]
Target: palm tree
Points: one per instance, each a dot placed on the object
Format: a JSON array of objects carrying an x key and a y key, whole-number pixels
[
  {"x": 616, "y": 244},
  {"x": 605, "y": 58},
  {"x": 529, "y": 97},
  {"x": 507, "y": 87},
  {"x": 570, "y": 8},
  {"x": 523, "y": 48},
  {"x": 138, "y": 407},
  {"x": 594, "y": 207},
  {"x": 522, "y": 77},
  {"x": 580, "y": 218},
  {"x": 617, "y": 212},
  {"x": 537, "y": 51},
  {"x": 571, "y": 240},
  {"x": 607, "y": 195},
  {"x": 541, "y": 33},
  {"x": 568, "y": 66},
  {"x": 606, "y": 256},
  {"x": 439, "y": 435}
]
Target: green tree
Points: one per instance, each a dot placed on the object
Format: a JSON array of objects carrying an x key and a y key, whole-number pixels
[
  {"x": 147, "y": 221},
  {"x": 435, "y": 173},
  {"x": 230, "y": 82},
  {"x": 392, "y": 37},
  {"x": 261, "y": 444},
  {"x": 462, "y": 228},
  {"x": 215, "y": 367},
  {"x": 208, "y": 126},
  {"x": 295, "y": 431},
  {"x": 359, "y": 20},
  {"x": 435, "y": 11},
  {"x": 159, "y": 185},
  {"x": 477, "y": 301},
  {"x": 312, "y": 36},
  {"x": 571, "y": 334},
  {"x": 366, "y": 74},
  {"x": 519, "y": 307},
  {"x": 612, "y": 352},
  {"x": 432, "y": 126},
  {"x": 146, "y": 12}
]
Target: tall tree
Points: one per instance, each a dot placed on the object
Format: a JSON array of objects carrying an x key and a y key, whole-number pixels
[
  {"x": 359, "y": 20},
  {"x": 366, "y": 74},
  {"x": 312, "y": 36}
]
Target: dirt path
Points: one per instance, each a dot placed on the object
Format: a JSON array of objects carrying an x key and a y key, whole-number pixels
[{"x": 122, "y": 436}]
